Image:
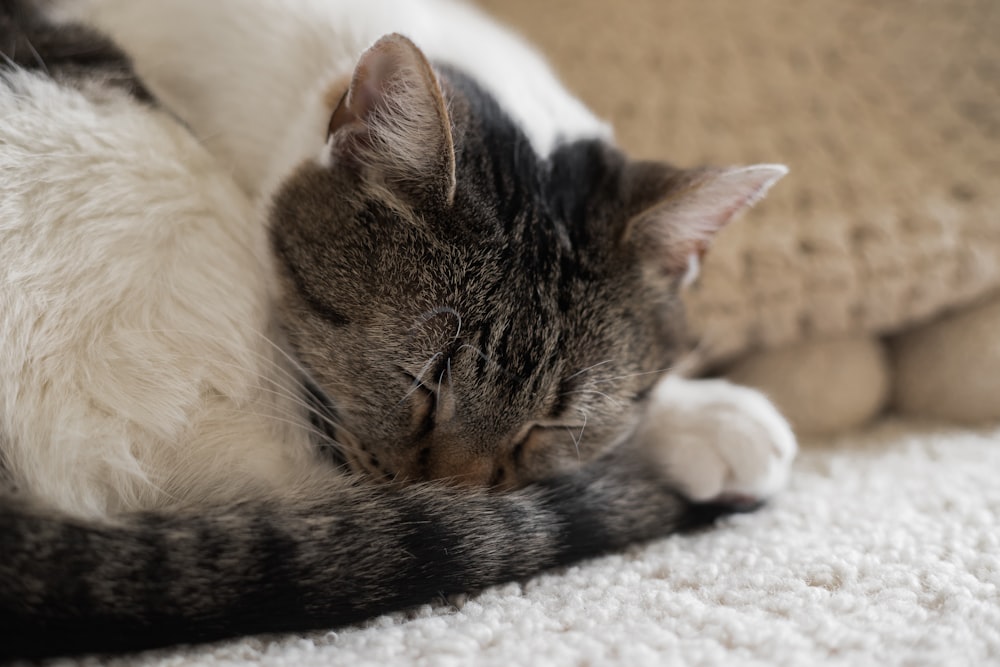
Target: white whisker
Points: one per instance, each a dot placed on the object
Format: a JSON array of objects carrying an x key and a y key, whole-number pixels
[
  {"x": 277, "y": 389},
  {"x": 273, "y": 364},
  {"x": 417, "y": 380},
  {"x": 308, "y": 428},
  {"x": 437, "y": 391},
  {"x": 614, "y": 401},
  {"x": 632, "y": 375},
  {"x": 589, "y": 368},
  {"x": 579, "y": 438}
]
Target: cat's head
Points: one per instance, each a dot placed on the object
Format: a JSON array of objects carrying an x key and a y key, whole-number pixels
[{"x": 476, "y": 312}]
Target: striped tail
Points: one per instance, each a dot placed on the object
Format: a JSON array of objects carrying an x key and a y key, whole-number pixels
[{"x": 330, "y": 558}]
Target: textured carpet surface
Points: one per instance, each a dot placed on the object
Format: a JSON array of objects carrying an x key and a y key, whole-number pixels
[{"x": 886, "y": 550}]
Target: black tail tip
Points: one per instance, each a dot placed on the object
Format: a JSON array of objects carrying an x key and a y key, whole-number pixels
[{"x": 704, "y": 514}]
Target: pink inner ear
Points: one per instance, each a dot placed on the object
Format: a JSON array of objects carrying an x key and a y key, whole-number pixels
[
  {"x": 342, "y": 116},
  {"x": 684, "y": 224},
  {"x": 393, "y": 124},
  {"x": 385, "y": 67},
  {"x": 371, "y": 78},
  {"x": 726, "y": 193}
]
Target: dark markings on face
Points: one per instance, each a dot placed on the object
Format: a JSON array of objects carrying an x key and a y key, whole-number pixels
[{"x": 516, "y": 312}]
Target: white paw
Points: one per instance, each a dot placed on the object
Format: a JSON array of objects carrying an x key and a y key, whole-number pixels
[{"x": 719, "y": 441}]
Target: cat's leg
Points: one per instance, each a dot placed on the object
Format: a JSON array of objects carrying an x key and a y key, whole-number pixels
[
  {"x": 821, "y": 386},
  {"x": 719, "y": 441},
  {"x": 950, "y": 369}
]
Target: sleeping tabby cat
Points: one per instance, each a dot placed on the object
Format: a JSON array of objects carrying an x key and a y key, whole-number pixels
[{"x": 477, "y": 318}]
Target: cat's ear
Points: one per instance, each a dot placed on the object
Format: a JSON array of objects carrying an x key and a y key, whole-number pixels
[
  {"x": 676, "y": 226},
  {"x": 393, "y": 122}
]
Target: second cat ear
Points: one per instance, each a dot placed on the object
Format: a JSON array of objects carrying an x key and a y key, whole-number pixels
[
  {"x": 393, "y": 123},
  {"x": 687, "y": 209}
]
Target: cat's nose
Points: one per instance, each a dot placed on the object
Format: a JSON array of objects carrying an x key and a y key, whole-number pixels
[{"x": 453, "y": 463}]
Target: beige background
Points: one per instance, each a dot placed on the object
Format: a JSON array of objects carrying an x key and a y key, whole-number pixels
[{"x": 888, "y": 114}]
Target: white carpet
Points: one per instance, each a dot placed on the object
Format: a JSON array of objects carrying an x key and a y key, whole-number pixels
[{"x": 886, "y": 550}]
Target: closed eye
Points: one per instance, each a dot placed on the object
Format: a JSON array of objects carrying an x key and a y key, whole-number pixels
[{"x": 523, "y": 441}]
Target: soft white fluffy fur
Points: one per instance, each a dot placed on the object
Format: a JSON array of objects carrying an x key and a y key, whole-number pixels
[
  {"x": 246, "y": 74},
  {"x": 136, "y": 367},
  {"x": 882, "y": 551},
  {"x": 140, "y": 366}
]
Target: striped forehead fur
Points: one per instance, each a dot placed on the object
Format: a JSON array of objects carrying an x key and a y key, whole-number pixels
[{"x": 529, "y": 259}]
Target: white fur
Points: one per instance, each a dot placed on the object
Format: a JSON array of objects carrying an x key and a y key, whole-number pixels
[
  {"x": 246, "y": 73},
  {"x": 134, "y": 276},
  {"x": 692, "y": 271},
  {"x": 719, "y": 439},
  {"x": 134, "y": 313}
]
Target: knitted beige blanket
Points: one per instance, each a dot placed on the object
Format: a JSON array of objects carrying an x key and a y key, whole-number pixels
[{"x": 888, "y": 114}]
